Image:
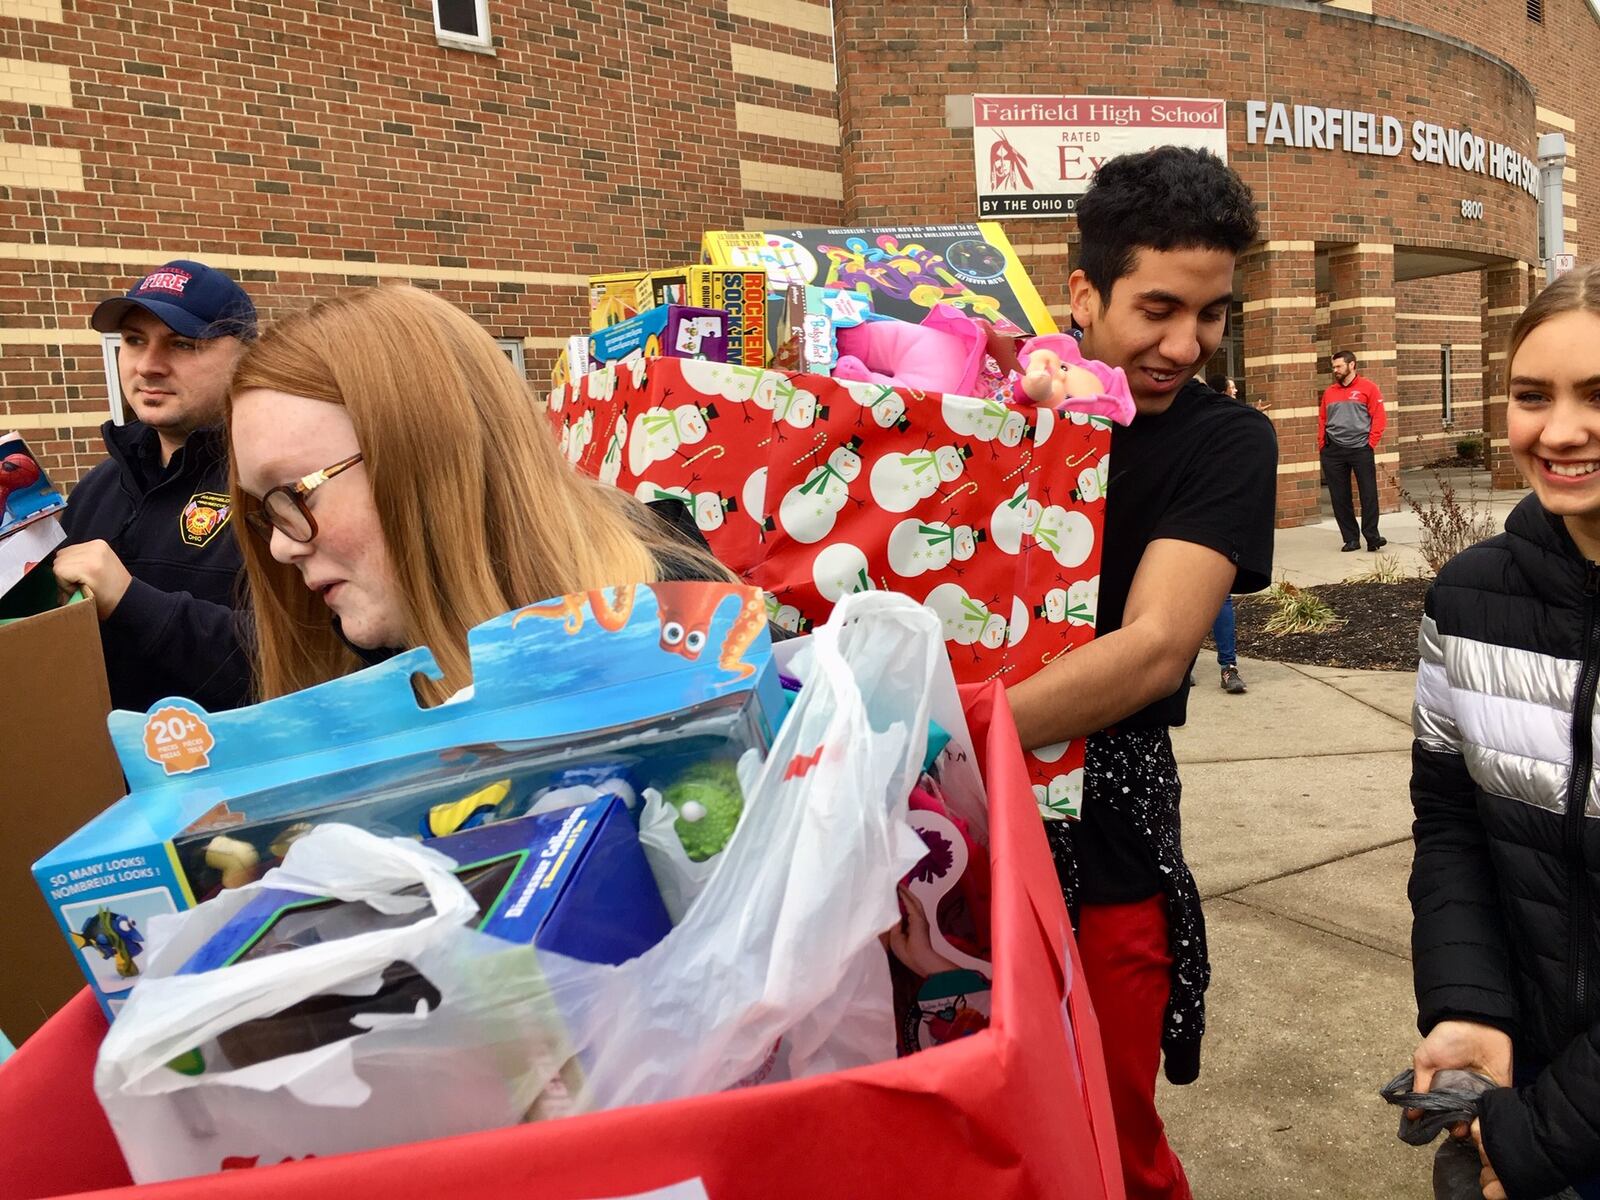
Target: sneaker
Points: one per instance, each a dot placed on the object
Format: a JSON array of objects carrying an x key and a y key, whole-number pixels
[
  {"x": 1349, "y": 546},
  {"x": 1374, "y": 547},
  {"x": 1231, "y": 683}
]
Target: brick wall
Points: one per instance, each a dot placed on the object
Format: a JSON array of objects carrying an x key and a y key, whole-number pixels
[
  {"x": 311, "y": 148},
  {"x": 1558, "y": 56},
  {"x": 1431, "y": 313}
]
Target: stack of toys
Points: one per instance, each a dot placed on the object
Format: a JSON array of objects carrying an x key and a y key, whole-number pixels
[
  {"x": 782, "y": 296},
  {"x": 30, "y": 528}
]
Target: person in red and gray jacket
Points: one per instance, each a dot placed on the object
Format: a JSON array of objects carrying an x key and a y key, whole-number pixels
[{"x": 1350, "y": 422}]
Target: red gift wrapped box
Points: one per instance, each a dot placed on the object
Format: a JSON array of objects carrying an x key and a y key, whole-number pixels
[
  {"x": 991, "y": 514},
  {"x": 1019, "y": 1109}
]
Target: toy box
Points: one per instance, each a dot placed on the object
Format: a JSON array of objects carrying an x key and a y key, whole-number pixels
[
  {"x": 649, "y": 680},
  {"x": 808, "y": 320},
  {"x": 611, "y": 298},
  {"x": 670, "y": 331},
  {"x": 573, "y": 882},
  {"x": 30, "y": 527},
  {"x": 742, "y": 294},
  {"x": 906, "y": 270}
]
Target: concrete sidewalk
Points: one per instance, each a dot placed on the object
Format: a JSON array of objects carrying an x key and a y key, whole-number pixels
[
  {"x": 1297, "y": 824},
  {"x": 1297, "y": 827},
  {"x": 1310, "y": 554}
]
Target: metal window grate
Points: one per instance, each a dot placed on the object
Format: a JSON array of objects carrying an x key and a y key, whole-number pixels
[
  {"x": 1536, "y": 11},
  {"x": 1447, "y": 406}
]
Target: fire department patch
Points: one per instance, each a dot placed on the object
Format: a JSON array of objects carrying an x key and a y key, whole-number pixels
[{"x": 203, "y": 517}]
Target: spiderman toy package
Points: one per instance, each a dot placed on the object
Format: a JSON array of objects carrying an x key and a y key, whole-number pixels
[{"x": 633, "y": 693}]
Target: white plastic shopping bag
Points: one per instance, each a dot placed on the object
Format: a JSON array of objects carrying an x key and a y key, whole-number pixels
[
  {"x": 479, "y": 1059},
  {"x": 777, "y": 971}
]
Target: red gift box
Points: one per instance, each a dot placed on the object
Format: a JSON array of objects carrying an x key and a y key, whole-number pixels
[
  {"x": 991, "y": 514},
  {"x": 1018, "y": 1110}
]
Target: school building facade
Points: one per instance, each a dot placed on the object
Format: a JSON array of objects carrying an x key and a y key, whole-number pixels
[{"x": 500, "y": 151}]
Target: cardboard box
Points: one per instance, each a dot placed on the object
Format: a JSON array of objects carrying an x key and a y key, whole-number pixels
[
  {"x": 58, "y": 770},
  {"x": 670, "y": 331},
  {"x": 611, "y": 298},
  {"x": 906, "y": 270},
  {"x": 741, "y": 293}
]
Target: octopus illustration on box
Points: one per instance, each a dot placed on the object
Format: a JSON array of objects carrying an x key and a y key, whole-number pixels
[{"x": 686, "y": 613}]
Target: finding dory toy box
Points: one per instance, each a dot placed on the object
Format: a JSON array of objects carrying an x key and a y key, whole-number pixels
[{"x": 596, "y": 694}]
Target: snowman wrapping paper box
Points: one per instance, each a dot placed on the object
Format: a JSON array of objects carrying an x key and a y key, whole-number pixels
[{"x": 990, "y": 514}]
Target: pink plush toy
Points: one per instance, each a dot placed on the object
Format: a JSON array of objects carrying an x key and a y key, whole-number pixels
[
  {"x": 943, "y": 354},
  {"x": 1052, "y": 372}
]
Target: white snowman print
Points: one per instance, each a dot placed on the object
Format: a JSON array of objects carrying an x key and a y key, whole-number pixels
[
  {"x": 1017, "y": 629},
  {"x": 1092, "y": 481},
  {"x": 601, "y": 385},
  {"x": 659, "y": 433},
  {"x": 918, "y": 546},
  {"x": 986, "y": 419},
  {"x": 839, "y": 570},
  {"x": 1062, "y": 797},
  {"x": 729, "y": 381},
  {"x": 899, "y": 481},
  {"x": 1013, "y": 518},
  {"x": 710, "y": 510},
  {"x": 575, "y": 440},
  {"x": 790, "y": 405},
  {"x": 1074, "y": 604},
  {"x": 754, "y": 496},
  {"x": 611, "y": 464},
  {"x": 784, "y": 616},
  {"x": 1068, "y": 536},
  {"x": 967, "y": 621},
  {"x": 887, "y": 406},
  {"x": 809, "y": 509}
]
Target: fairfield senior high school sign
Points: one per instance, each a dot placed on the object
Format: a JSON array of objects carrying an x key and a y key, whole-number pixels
[{"x": 1035, "y": 155}]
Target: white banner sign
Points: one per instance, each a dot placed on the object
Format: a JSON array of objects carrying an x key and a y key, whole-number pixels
[{"x": 1035, "y": 155}]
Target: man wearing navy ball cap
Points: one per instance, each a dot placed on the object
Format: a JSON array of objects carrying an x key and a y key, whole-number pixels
[{"x": 149, "y": 533}]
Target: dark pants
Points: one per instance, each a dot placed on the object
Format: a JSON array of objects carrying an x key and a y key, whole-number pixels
[{"x": 1337, "y": 463}]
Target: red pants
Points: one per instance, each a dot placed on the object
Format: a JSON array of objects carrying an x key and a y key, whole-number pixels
[{"x": 1125, "y": 963}]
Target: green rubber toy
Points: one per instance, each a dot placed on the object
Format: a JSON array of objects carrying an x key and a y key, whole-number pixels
[{"x": 708, "y": 800}]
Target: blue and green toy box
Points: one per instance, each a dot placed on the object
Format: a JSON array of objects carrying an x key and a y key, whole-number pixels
[{"x": 625, "y": 688}]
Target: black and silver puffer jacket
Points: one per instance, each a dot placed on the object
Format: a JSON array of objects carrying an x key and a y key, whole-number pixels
[{"x": 1505, "y": 886}]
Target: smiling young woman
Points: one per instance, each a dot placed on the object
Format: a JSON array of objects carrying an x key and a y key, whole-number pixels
[
  {"x": 403, "y": 487},
  {"x": 1505, "y": 885}
]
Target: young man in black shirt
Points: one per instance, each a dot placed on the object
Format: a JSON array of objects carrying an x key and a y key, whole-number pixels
[{"x": 1189, "y": 518}]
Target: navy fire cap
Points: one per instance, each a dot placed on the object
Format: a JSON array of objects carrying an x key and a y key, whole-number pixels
[{"x": 190, "y": 298}]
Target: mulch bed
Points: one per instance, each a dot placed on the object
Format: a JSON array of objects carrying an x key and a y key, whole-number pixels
[{"x": 1379, "y": 631}]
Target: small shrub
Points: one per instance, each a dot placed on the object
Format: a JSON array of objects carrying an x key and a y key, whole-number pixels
[
  {"x": 1449, "y": 524},
  {"x": 1385, "y": 568},
  {"x": 1470, "y": 448},
  {"x": 1298, "y": 611}
]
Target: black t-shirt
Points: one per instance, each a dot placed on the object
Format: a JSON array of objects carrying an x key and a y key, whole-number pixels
[{"x": 1204, "y": 471}]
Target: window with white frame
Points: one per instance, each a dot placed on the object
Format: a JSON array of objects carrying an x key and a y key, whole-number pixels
[
  {"x": 513, "y": 350},
  {"x": 463, "y": 23},
  {"x": 110, "y": 347}
]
